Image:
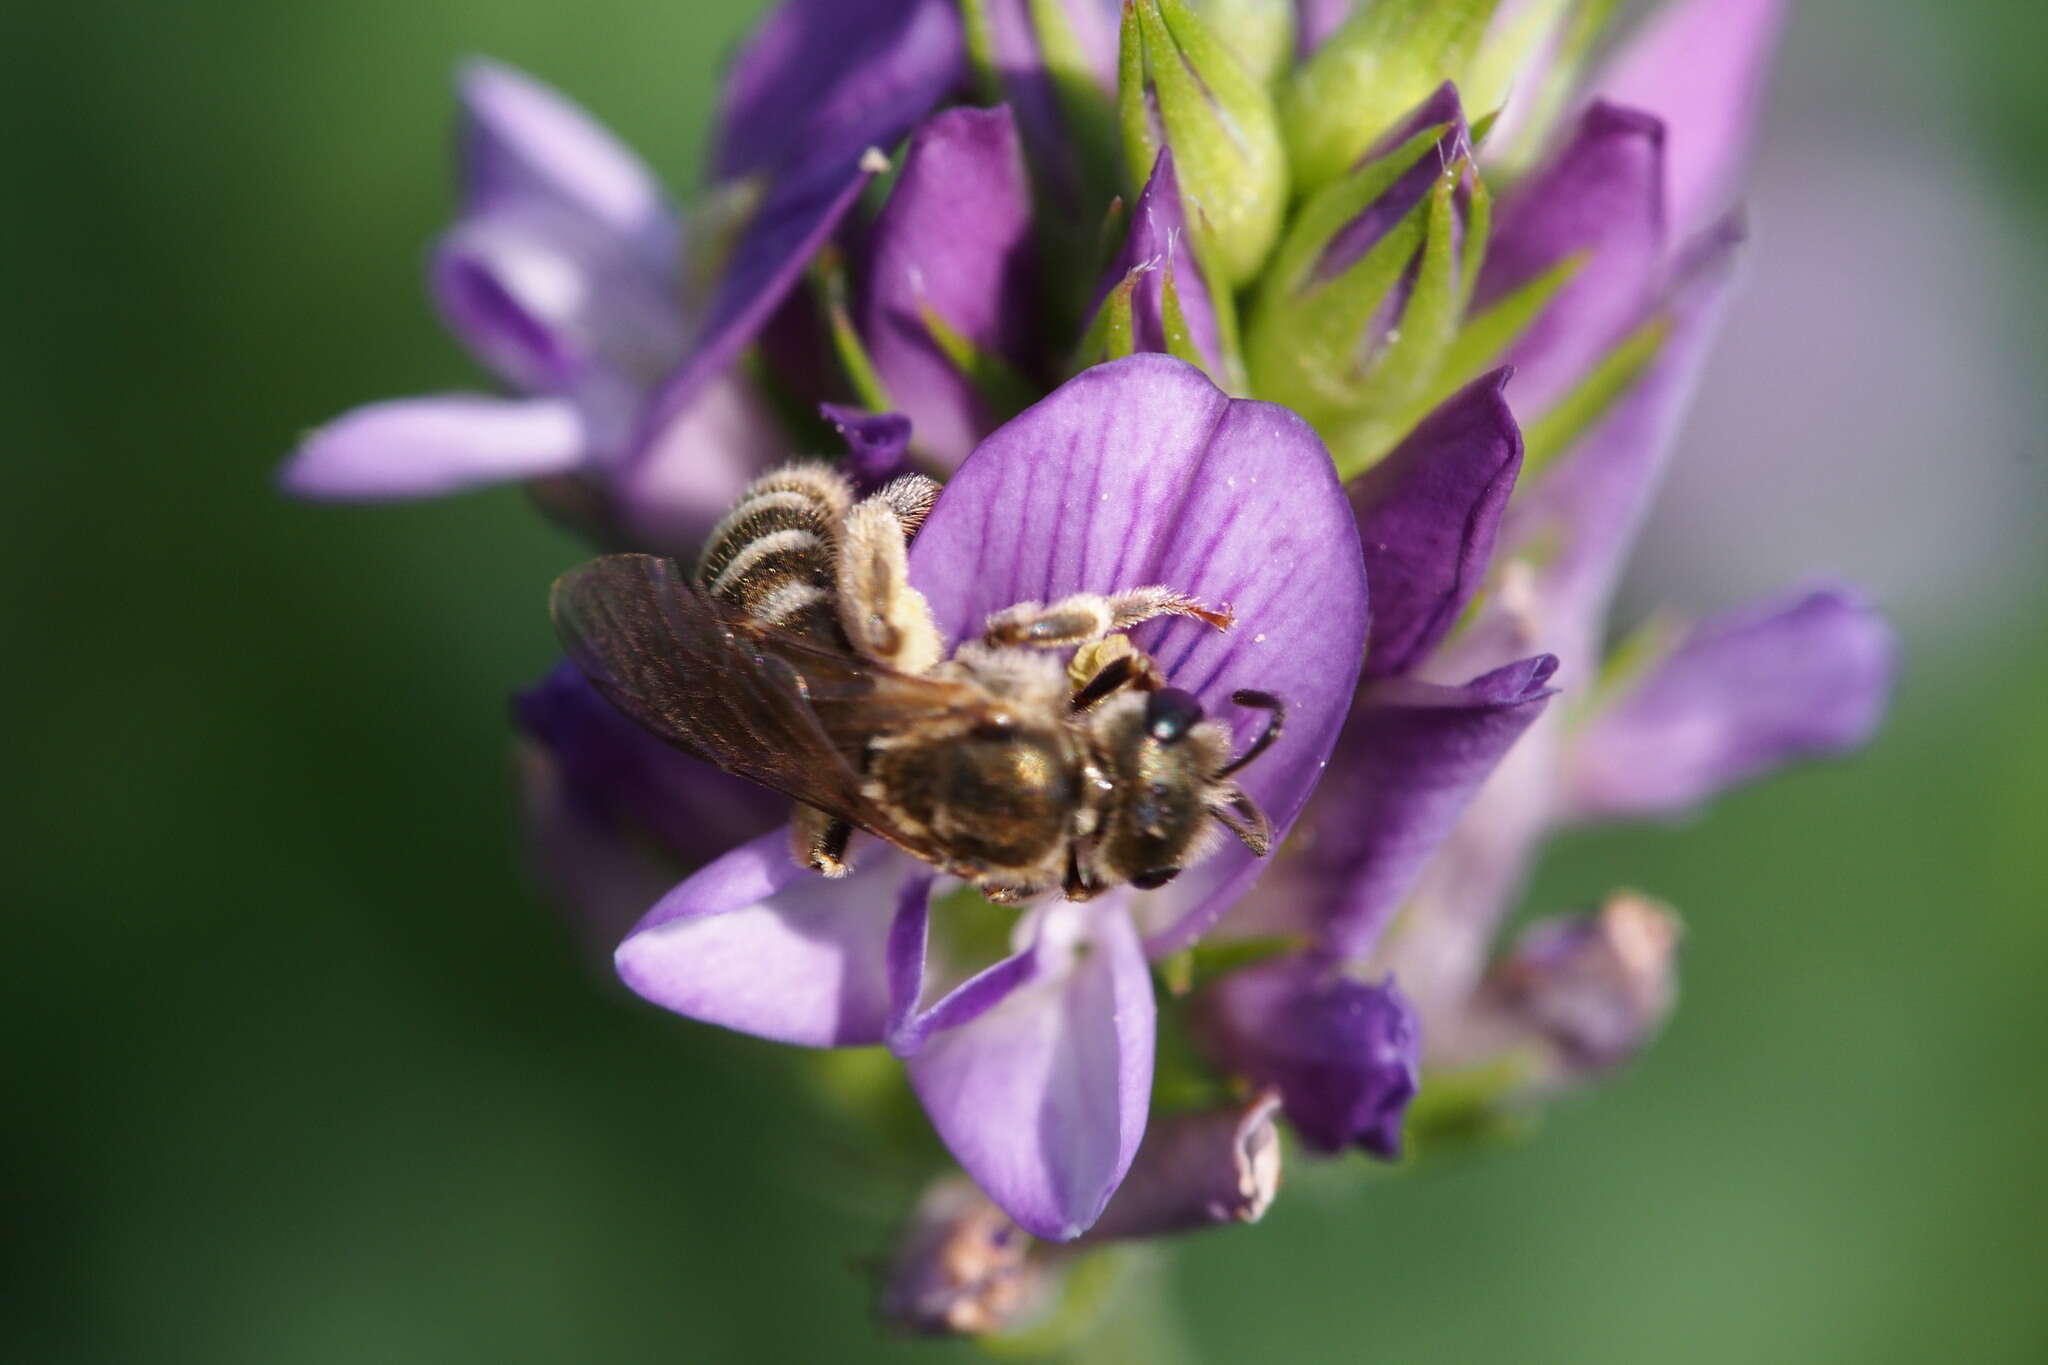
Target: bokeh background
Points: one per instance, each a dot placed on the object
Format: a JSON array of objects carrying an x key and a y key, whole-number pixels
[{"x": 303, "y": 1072}]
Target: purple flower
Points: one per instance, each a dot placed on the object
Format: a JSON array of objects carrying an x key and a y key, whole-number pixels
[
  {"x": 1036, "y": 1069},
  {"x": 562, "y": 275}
]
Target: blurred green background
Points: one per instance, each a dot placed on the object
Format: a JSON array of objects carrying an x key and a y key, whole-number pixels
[{"x": 304, "y": 1073}]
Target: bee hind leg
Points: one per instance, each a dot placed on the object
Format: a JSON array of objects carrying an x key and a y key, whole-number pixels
[
  {"x": 819, "y": 841},
  {"x": 1087, "y": 616}
]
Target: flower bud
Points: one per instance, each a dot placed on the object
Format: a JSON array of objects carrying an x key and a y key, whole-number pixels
[
  {"x": 1375, "y": 68},
  {"x": 1259, "y": 32},
  {"x": 1180, "y": 86},
  {"x": 963, "y": 1268},
  {"x": 1198, "y": 1170}
]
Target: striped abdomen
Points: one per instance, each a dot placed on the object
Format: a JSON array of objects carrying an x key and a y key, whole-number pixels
[{"x": 774, "y": 557}]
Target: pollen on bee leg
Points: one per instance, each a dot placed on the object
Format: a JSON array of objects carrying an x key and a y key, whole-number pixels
[{"x": 885, "y": 618}]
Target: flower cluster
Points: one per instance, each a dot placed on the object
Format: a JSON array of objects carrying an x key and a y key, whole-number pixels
[{"x": 1266, "y": 301}]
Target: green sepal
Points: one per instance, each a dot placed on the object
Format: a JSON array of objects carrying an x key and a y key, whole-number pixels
[
  {"x": 1180, "y": 342},
  {"x": 1376, "y": 68},
  {"x": 981, "y": 49},
  {"x": 1113, "y": 333},
  {"x": 1573, "y": 415},
  {"x": 1473, "y": 1107},
  {"x": 828, "y": 273},
  {"x": 1259, "y": 32},
  {"x": 1221, "y": 124},
  {"x": 1000, "y": 386}
]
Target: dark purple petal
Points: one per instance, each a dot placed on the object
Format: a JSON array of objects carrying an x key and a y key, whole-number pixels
[
  {"x": 1410, "y": 759},
  {"x": 962, "y": 1267},
  {"x": 1019, "y": 60},
  {"x": 1141, "y": 471},
  {"x": 758, "y": 944},
  {"x": 955, "y": 238},
  {"x": 1357, "y": 237},
  {"x": 1344, "y": 1054},
  {"x": 820, "y": 81},
  {"x": 1042, "y": 1099},
  {"x": 598, "y": 873},
  {"x": 621, "y": 774},
  {"x": 1601, "y": 198},
  {"x": 1741, "y": 695},
  {"x": 877, "y": 443},
  {"x": 523, "y": 147},
  {"x": 1158, "y": 243},
  {"x": 1700, "y": 67},
  {"x": 1427, "y": 516},
  {"x": 419, "y": 447},
  {"x": 1214, "y": 1167}
]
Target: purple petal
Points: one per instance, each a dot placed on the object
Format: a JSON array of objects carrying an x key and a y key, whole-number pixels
[
  {"x": 1601, "y": 197},
  {"x": 1142, "y": 471},
  {"x": 418, "y": 447},
  {"x": 579, "y": 856},
  {"x": 1406, "y": 767},
  {"x": 1357, "y": 237},
  {"x": 1028, "y": 85},
  {"x": 911, "y": 1022},
  {"x": 1156, "y": 244},
  {"x": 1700, "y": 67},
  {"x": 1216, "y": 1166},
  {"x": 820, "y": 81},
  {"x": 877, "y": 443},
  {"x": 619, "y": 774},
  {"x": 670, "y": 495},
  {"x": 1315, "y": 21},
  {"x": 1743, "y": 694},
  {"x": 758, "y": 944},
  {"x": 1427, "y": 516},
  {"x": 547, "y": 299},
  {"x": 954, "y": 238},
  {"x": 1344, "y": 1054},
  {"x": 1042, "y": 1099},
  {"x": 524, "y": 147}
]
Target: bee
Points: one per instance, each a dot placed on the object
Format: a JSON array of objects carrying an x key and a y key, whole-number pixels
[{"x": 799, "y": 656}]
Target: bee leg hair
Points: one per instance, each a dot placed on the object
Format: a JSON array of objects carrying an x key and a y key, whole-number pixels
[
  {"x": 1090, "y": 616},
  {"x": 885, "y": 619}
]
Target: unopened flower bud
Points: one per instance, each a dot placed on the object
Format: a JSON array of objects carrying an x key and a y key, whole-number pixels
[
  {"x": 1180, "y": 86},
  {"x": 1259, "y": 32},
  {"x": 1198, "y": 1170},
  {"x": 963, "y": 1268}
]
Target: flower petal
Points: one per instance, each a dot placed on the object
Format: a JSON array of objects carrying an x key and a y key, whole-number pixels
[
  {"x": 1141, "y": 471},
  {"x": 1316, "y": 20},
  {"x": 1407, "y": 765},
  {"x": 1741, "y": 695},
  {"x": 1427, "y": 516},
  {"x": 1345, "y": 1054},
  {"x": 1158, "y": 243},
  {"x": 758, "y": 944},
  {"x": 911, "y": 1022},
  {"x": 877, "y": 443},
  {"x": 1042, "y": 1099},
  {"x": 1197, "y": 1170},
  {"x": 673, "y": 491},
  {"x": 419, "y": 447},
  {"x": 524, "y": 146},
  {"x": 954, "y": 239},
  {"x": 1700, "y": 67},
  {"x": 820, "y": 81},
  {"x": 1601, "y": 197}
]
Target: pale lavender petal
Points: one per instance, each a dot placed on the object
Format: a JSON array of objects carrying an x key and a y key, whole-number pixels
[
  {"x": 962, "y": 1268},
  {"x": 1427, "y": 517},
  {"x": 820, "y": 81},
  {"x": 1211, "y": 1168},
  {"x": 1157, "y": 243},
  {"x": 1042, "y": 1099},
  {"x": 419, "y": 447},
  {"x": 1600, "y": 198},
  {"x": 1741, "y": 695},
  {"x": 1345, "y": 1054},
  {"x": 524, "y": 146},
  {"x": 1316, "y": 20},
  {"x": 955, "y": 238},
  {"x": 1141, "y": 471},
  {"x": 1700, "y": 66},
  {"x": 911, "y": 1021},
  {"x": 758, "y": 944},
  {"x": 671, "y": 493},
  {"x": 877, "y": 443},
  {"x": 1406, "y": 767}
]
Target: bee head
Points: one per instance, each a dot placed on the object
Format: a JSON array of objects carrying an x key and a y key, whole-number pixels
[{"x": 1170, "y": 774}]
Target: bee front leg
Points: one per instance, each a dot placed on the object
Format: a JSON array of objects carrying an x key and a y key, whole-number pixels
[
  {"x": 1088, "y": 616},
  {"x": 1105, "y": 667},
  {"x": 819, "y": 841}
]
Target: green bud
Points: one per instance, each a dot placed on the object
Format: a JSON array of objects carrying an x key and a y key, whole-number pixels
[
  {"x": 1259, "y": 32},
  {"x": 1373, "y": 70},
  {"x": 1180, "y": 86}
]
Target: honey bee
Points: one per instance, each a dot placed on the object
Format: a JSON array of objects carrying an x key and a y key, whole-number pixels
[{"x": 799, "y": 656}]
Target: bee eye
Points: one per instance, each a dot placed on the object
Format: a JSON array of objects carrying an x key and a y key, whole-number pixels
[
  {"x": 1156, "y": 878},
  {"x": 1171, "y": 713}
]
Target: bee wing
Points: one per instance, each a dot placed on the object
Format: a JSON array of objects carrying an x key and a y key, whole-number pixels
[{"x": 757, "y": 702}]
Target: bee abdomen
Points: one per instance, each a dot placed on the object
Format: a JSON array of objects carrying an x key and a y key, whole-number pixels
[{"x": 774, "y": 556}]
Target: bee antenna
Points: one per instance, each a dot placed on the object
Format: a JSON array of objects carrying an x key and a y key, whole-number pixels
[
  {"x": 1261, "y": 701},
  {"x": 1249, "y": 824}
]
